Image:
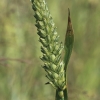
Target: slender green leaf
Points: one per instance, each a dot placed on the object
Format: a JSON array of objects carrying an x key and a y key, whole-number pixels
[{"x": 69, "y": 39}]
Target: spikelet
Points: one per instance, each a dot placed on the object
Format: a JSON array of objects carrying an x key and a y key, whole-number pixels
[{"x": 51, "y": 48}]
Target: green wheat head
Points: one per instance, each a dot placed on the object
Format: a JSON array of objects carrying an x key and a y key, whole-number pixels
[{"x": 52, "y": 49}]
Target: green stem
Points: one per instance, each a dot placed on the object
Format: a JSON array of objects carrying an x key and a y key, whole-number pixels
[{"x": 61, "y": 95}]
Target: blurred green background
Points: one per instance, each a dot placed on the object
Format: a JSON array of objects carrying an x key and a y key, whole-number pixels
[{"x": 21, "y": 74}]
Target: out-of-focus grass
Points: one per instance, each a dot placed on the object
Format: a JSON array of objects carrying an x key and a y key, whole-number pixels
[{"x": 21, "y": 75}]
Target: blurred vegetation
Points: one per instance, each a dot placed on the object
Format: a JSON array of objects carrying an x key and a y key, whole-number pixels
[{"x": 21, "y": 75}]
